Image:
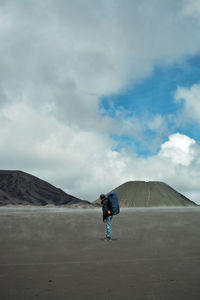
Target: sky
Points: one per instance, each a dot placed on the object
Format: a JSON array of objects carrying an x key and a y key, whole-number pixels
[{"x": 94, "y": 93}]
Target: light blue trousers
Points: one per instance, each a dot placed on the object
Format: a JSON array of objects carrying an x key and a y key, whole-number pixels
[{"x": 108, "y": 226}]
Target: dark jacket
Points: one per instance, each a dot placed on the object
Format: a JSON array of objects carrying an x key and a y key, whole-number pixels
[{"x": 105, "y": 208}]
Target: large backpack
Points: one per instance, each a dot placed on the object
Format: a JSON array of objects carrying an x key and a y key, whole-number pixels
[{"x": 113, "y": 203}]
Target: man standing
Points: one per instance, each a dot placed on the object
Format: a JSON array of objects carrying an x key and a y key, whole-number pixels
[{"x": 107, "y": 217}]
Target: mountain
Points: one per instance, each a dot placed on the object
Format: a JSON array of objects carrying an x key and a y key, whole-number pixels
[
  {"x": 20, "y": 188},
  {"x": 152, "y": 193}
]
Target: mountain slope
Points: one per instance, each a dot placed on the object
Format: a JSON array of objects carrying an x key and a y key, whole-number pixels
[
  {"x": 146, "y": 194},
  {"x": 18, "y": 187}
]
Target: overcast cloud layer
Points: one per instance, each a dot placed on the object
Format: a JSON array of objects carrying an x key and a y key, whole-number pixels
[{"x": 58, "y": 58}]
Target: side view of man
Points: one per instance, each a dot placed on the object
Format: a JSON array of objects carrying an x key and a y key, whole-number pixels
[{"x": 110, "y": 207}]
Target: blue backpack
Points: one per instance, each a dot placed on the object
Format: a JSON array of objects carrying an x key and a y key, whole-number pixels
[{"x": 113, "y": 203}]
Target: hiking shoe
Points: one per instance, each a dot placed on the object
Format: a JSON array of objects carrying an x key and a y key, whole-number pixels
[{"x": 107, "y": 238}]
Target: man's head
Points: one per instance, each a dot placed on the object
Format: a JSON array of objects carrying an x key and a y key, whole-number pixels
[{"x": 102, "y": 196}]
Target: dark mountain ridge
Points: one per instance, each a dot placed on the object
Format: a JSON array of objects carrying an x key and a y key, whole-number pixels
[{"x": 20, "y": 188}]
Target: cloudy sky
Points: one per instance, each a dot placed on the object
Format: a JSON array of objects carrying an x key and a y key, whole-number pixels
[{"x": 94, "y": 93}]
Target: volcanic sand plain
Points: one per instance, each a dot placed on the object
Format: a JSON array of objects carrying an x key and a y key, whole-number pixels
[{"x": 56, "y": 253}]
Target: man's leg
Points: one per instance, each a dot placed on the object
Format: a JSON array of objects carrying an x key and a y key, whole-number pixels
[{"x": 108, "y": 226}]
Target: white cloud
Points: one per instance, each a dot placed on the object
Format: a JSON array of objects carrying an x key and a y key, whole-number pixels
[
  {"x": 62, "y": 52},
  {"x": 57, "y": 58},
  {"x": 76, "y": 160},
  {"x": 191, "y": 102},
  {"x": 83, "y": 163},
  {"x": 178, "y": 149},
  {"x": 191, "y": 8},
  {"x": 156, "y": 123}
]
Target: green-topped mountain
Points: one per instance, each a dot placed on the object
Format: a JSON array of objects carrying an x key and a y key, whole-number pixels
[{"x": 146, "y": 194}]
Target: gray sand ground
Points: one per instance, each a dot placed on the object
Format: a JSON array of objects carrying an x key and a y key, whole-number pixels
[{"x": 57, "y": 254}]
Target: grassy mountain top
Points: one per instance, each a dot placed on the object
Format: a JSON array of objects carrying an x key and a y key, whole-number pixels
[{"x": 152, "y": 193}]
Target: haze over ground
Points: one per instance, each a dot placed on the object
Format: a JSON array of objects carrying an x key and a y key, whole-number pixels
[
  {"x": 97, "y": 93},
  {"x": 60, "y": 254}
]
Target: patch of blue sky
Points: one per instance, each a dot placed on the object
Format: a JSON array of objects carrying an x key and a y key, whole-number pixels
[
  {"x": 154, "y": 96},
  {"x": 143, "y": 148}
]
